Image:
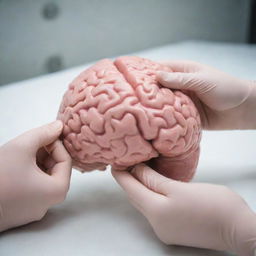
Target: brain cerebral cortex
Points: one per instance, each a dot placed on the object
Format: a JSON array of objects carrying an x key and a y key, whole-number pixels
[{"x": 116, "y": 113}]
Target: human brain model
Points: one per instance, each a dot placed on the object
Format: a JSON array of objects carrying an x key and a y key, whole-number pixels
[{"x": 117, "y": 113}]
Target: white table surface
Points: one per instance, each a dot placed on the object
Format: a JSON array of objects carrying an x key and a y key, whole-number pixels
[{"x": 96, "y": 218}]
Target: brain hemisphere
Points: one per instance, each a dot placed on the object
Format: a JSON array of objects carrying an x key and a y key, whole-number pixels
[{"x": 116, "y": 113}]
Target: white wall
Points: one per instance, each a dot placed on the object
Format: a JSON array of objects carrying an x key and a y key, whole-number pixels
[{"x": 85, "y": 30}]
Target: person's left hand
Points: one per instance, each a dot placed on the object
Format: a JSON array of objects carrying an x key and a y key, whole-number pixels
[
  {"x": 35, "y": 173},
  {"x": 191, "y": 214}
]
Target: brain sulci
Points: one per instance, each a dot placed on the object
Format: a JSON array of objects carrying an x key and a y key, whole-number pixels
[{"x": 116, "y": 113}]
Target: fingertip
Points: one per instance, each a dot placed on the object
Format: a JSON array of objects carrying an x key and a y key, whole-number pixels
[
  {"x": 169, "y": 80},
  {"x": 57, "y": 126},
  {"x": 162, "y": 75},
  {"x": 47, "y": 134},
  {"x": 121, "y": 176},
  {"x": 138, "y": 168},
  {"x": 52, "y": 131}
]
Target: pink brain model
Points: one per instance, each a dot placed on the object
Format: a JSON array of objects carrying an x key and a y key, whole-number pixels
[{"x": 116, "y": 113}]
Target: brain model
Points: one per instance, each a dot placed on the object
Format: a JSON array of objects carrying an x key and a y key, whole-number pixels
[{"x": 116, "y": 113}]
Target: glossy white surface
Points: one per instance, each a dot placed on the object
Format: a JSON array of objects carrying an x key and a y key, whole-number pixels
[{"x": 96, "y": 218}]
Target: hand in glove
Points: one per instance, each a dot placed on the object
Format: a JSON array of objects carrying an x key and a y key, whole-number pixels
[
  {"x": 224, "y": 102},
  {"x": 191, "y": 214},
  {"x": 34, "y": 175}
]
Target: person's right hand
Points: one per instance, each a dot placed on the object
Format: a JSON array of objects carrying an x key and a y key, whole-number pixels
[
  {"x": 191, "y": 214},
  {"x": 223, "y": 101}
]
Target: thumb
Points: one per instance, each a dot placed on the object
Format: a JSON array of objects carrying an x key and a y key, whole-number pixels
[
  {"x": 153, "y": 180},
  {"x": 140, "y": 196},
  {"x": 178, "y": 80},
  {"x": 42, "y": 136}
]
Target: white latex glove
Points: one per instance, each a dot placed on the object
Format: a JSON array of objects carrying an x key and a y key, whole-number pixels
[
  {"x": 34, "y": 175},
  {"x": 224, "y": 102},
  {"x": 191, "y": 214}
]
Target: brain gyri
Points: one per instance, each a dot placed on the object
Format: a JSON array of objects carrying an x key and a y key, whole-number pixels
[{"x": 116, "y": 113}]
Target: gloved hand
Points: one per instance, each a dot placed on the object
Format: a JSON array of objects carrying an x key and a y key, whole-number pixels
[
  {"x": 223, "y": 101},
  {"x": 34, "y": 175},
  {"x": 191, "y": 214}
]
